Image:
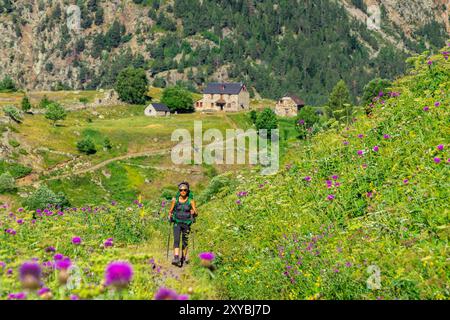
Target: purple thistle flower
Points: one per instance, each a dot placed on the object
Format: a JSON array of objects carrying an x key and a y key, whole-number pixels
[
  {"x": 336, "y": 270},
  {"x": 405, "y": 181},
  {"x": 17, "y": 296},
  {"x": 386, "y": 136},
  {"x": 426, "y": 108},
  {"x": 30, "y": 274},
  {"x": 58, "y": 256},
  {"x": 167, "y": 294},
  {"x": 20, "y": 210},
  {"x": 430, "y": 62},
  {"x": 76, "y": 240},
  {"x": 118, "y": 274},
  {"x": 2, "y": 265},
  {"x": 20, "y": 221},
  {"x": 360, "y": 135},
  {"x": 50, "y": 249},
  {"x": 437, "y": 104},
  {"x": 369, "y": 194},
  {"x": 209, "y": 256},
  {"x": 9, "y": 271},
  {"x": 348, "y": 264},
  {"x": 43, "y": 291},
  {"x": 74, "y": 297},
  {"x": 360, "y": 152},
  {"x": 63, "y": 264},
  {"x": 307, "y": 178},
  {"x": 301, "y": 122},
  {"x": 345, "y": 142},
  {"x": 440, "y": 147},
  {"x": 238, "y": 201},
  {"x": 335, "y": 177},
  {"x": 437, "y": 159},
  {"x": 330, "y": 197},
  {"x": 108, "y": 243},
  {"x": 375, "y": 149}
]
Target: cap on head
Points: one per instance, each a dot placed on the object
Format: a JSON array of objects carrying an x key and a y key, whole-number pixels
[{"x": 183, "y": 184}]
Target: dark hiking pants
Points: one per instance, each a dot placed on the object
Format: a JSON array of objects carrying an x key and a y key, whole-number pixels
[{"x": 178, "y": 230}]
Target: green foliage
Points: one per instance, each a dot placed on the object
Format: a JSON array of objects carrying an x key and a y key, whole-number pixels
[
  {"x": 339, "y": 99},
  {"x": 218, "y": 186},
  {"x": 86, "y": 146},
  {"x": 253, "y": 116},
  {"x": 43, "y": 197},
  {"x": 7, "y": 183},
  {"x": 178, "y": 99},
  {"x": 132, "y": 85},
  {"x": 266, "y": 119},
  {"x": 373, "y": 88},
  {"x": 307, "y": 121},
  {"x": 159, "y": 82},
  {"x": 45, "y": 101},
  {"x": 107, "y": 144},
  {"x": 17, "y": 170},
  {"x": 25, "y": 104},
  {"x": 7, "y": 85},
  {"x": 324, "y": 237},
  {"x": 13, "y": 143},
  {"x": 83, "y": 100},
  {"x": 13, "y": 113},
  {"x": 55, "y": 112}
]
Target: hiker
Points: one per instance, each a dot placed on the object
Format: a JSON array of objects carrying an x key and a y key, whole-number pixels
[{"x": 182, "y": 213}]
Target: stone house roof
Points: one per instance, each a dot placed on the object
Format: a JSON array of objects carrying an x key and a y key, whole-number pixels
[{"x": 223, "y": 88}]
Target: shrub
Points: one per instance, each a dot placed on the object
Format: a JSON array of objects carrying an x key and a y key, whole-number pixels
[
  {"x": 13, "y": 113},
  {"x": 305, "y": 121},
  {"x": 44, "y": 102},
  {"x": 86, "y": 146},
  {"x": 7, "y": 183},
  {"x": 7, "y": 85},
  {"x": 43, "y": 197},
  {"x": 339, "y": 96},
  {"x": 132, "y": 85},
  {"x": 55, "y": 112},
  {"x": 26, "y": 105},
  {"x": 15, "y": 169},
  {"x": 178, "y": 99},
  {"x": 253, "y": 115},
  {"x": 372, "y": 89},
  {"x": 266, "y": 120}
]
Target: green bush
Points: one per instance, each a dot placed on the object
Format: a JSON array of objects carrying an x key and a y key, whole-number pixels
[
  {"x": 86, "y": 146},
  {"x": 306, "y": 120},
  {"x": 266, "y": 120},
  {"x": 25, "y": 104},
  {"x": 7, "y": 183},
  {"x": 132, "y": 85},
  {"x": 13, "y": 113},
  {"x": 55, "y": 112},
  {"x": 43, "y": 197},
  {"x": 45, "y": 101},
  {"x": 177, "y": 98},
  {"x": 16, "y": 169},
  {"x": 7, "y": 85}
]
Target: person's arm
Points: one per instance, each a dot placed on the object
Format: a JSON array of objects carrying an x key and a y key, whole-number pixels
[
  {"x": 171, "y": 208},
  {"x": 194, "y": 208}
]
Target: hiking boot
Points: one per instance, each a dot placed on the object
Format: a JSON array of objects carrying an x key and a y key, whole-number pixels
[
  {"x": 184, "y": 260},
  {"x": 176, "y": 261}
]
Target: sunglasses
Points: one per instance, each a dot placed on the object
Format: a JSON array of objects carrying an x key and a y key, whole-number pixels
[{"x": 183, "y": 190}]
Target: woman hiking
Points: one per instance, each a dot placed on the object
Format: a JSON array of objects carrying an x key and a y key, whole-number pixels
[{"x": 182, "y": 213}]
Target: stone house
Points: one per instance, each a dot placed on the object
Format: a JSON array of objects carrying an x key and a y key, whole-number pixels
[
  {"x": 288, "y": 106},
  {"x": 218, "y": 96},
  {"x": 156, "y": 109}
]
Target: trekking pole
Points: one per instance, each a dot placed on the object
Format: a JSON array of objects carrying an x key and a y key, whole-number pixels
[{"x": 168, "y": 242}]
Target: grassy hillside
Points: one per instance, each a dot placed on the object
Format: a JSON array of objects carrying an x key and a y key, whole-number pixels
[{"x": 356, "y": 204}]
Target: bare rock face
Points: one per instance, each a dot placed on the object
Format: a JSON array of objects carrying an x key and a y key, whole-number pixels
[{"x": 41, "y": 41}]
